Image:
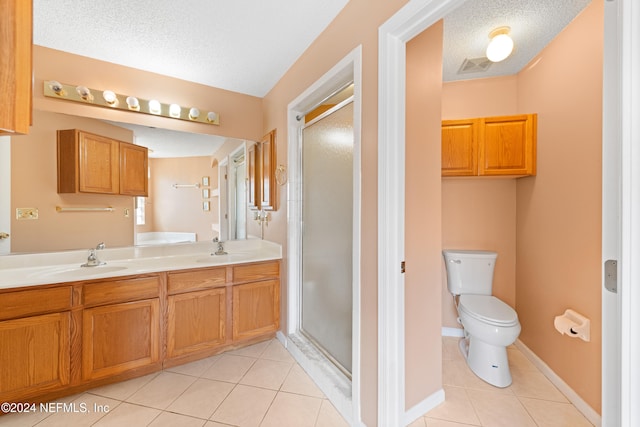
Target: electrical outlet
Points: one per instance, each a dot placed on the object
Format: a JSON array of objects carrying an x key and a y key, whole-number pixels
[{"x": 26, "y": 213}]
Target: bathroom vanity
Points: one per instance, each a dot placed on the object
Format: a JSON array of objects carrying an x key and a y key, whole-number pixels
[{"x": 64, "y": 328}]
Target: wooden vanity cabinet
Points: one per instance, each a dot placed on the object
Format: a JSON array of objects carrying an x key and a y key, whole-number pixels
[
  {"x": 256, "y": 300},
  {"x": 35, "y": 342},
  {"x": 89, "y": 163},
  {"x": 16, "y": 65},
  {"x": 490, "y": 146},
  {"x": 196, "y": 311},
  {"x": 120, "y": 326}
]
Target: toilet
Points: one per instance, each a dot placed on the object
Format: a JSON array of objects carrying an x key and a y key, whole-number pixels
[{"x": 490, "y": 325}]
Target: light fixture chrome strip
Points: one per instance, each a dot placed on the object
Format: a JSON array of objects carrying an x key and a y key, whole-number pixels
[{"x": 110, "y": 99}]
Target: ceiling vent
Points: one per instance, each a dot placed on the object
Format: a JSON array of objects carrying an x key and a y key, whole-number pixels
[{"x": 474, "y": 65}]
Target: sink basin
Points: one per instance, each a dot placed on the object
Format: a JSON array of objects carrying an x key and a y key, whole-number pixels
[{"x": 83, "y": 272}]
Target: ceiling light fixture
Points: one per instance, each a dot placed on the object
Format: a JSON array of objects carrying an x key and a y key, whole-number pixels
[
  {"x": 500, "y": 46},
  {"x": 116, "y": 101}
]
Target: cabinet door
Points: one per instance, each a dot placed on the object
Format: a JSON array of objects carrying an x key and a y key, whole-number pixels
[
  {"x": 15, "y": 66},
  {"x": 268, "y": 172},
  {"x": 252, "y": 176},
  {"x": 256, "y": 309},
  {"x": 120, "y": 337},
  {"x": 98, "y": 164},
  {"x": 460, "y": 147},
  {"x": 133, "y": 170},
  {"x": 34, "y": 355},
  {"x": 509, "y": 145},
  {"x": 196, "y": 321}
]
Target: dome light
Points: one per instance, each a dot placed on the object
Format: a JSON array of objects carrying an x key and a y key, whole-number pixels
[{"x": 500, "y": 46}]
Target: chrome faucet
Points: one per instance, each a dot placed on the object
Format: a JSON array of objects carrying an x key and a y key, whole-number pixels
[
  {"x": 220, "y": 250},
  {"x": 92, "y": 259}
]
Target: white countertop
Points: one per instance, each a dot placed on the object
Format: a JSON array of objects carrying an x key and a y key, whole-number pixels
[{"x": 60, "y": 267}]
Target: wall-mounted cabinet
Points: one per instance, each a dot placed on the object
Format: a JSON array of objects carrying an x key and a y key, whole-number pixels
[
  {"x": 89, "y": 163},
  {"x": 252, "y": 169},
  {"x": 16, "y": 66},
  {"x": 262, "y": 178},
  {"x": 490, "y": 146}
]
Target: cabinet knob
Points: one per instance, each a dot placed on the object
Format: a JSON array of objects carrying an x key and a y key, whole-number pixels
[{"x": 3, "y": 235}]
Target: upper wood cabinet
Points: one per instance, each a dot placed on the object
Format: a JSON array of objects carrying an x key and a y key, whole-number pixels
[
  {"x": 252, "y": 187},
  {"x": 134, "y": 168},
  {"x": 460, "y": 147},
  {"x": 16, "y": 86},
  {"x": 490, "y": 146},
  {"x": 89, "y": 163},
  {"x": 267, "y": 171}
]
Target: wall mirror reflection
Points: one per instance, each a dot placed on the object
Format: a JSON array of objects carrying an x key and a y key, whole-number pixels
[{"x": 169, "y": 214}]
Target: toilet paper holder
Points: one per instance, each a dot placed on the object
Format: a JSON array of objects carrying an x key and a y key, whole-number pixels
[{"x": 573, "y": 324}]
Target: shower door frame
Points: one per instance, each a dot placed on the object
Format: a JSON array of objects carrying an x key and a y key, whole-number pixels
[{"x": 330, "y": 379}]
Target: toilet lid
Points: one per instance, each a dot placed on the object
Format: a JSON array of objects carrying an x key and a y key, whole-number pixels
[{"x": 489, "y": 309}]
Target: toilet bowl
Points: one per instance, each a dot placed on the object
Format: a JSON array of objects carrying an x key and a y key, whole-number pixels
[{"x": 489, "y": 324}]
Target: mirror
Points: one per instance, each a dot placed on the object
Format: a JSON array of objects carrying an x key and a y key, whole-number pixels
[{"x": 189, "y": 211}]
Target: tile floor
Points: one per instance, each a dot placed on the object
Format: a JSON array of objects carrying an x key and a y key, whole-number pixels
[
  {"x": 261, "y": 385},
  {"x": 531, "y": 400}
]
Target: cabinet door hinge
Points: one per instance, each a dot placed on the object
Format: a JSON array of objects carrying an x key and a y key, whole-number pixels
[{"x": 402, "y": 265}]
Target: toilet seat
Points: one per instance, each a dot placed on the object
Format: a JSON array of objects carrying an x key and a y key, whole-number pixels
[{"x": 488, "y": 309}]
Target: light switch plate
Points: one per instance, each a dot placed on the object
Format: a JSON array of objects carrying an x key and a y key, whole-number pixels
[{"x": 26, "y": 213}]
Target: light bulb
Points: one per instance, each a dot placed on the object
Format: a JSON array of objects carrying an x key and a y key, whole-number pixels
[
  {"x": 194, "y": 113},
  {"x": 500, "y": 46},
  {"x": 212, "y": 117},
  {"x": 155, "y": 107},
  {"x": 174, "y": 110},
  {"x": 133, "y": 103},
  {"x": 109, "y": 97}
]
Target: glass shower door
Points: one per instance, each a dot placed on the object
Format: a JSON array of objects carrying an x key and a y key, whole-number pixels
[{"x": 327, "y": 233}]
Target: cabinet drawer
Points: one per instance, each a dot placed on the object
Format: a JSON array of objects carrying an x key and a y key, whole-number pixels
[
  {"x": 113, "y": 291},
  {"x": 34, "y": 301},
  {"x": 250, "y": 272},
  {"x": 197, "y": 279}
]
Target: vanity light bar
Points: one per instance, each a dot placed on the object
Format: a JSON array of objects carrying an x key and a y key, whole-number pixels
[{"x": 110, "y": 99}]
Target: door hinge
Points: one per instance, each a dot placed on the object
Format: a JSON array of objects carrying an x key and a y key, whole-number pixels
[
  {"x": 611, "y": 275},
  {"x": 402, "y": 266}
]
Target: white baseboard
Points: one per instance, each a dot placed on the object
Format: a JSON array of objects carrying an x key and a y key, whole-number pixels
[
  {"x": 423, "y": 407},
  {"x": 452, "y": 332},
  {"x": 582, "y": 406}
]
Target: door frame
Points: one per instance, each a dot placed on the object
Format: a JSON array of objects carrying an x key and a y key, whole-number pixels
[
  {"x": 415, "y": 17},
  {"x": 618, "y": 114},
  {"x": 330, "y": 381}
]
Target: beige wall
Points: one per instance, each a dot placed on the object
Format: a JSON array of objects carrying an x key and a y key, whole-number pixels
[
  {"x": 422, "y": 283},
  {"x": 180, "y": 209},
  {"x": 357, "y": 24},
  {"x": 480, "y": 213},
  {"x": 34, "y": 185},
  {"x": 559, "y": 211},
  {"x": 240, "y": 115}
]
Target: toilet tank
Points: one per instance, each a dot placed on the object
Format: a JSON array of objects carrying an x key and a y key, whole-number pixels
[{"x": 469, "y": 272}]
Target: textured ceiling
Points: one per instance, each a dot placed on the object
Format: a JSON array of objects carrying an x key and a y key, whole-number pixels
[
  {"x": 534, "y": 23},
  {"x": 246, "y": 46}
]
